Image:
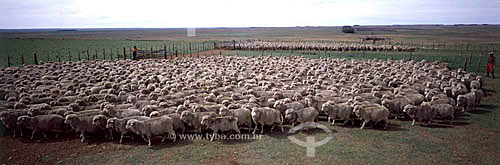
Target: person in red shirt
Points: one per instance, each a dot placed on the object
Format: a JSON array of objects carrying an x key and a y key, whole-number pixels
[
  {"x": 134, "y": 53},
  {"x": 490, "y": 66}
]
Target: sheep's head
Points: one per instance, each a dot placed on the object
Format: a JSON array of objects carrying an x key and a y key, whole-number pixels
[
  {"x": 99, "y": 120},
  {"x": 110, "y": 123},
  {"x": 187, "y": 117},
  {"x": 22, "y": 120},
  {"x": 207, "y": 121},
  {"x": 255, "y": 113},
  {"x": 291, "y": 115},
  {"x": 70, "y": 118}
]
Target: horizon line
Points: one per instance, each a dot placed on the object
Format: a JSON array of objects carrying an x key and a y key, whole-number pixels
[{"x": 215, "y": 27}]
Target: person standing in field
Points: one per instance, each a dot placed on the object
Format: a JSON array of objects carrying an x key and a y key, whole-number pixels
[
  {"x": 490, "y": 66},
  {"x": 134, "y": 53}
]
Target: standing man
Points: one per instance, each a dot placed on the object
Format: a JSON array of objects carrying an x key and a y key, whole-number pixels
[
  {"x": 134, "y": 53},
  {"x": 491, "y": 65}
]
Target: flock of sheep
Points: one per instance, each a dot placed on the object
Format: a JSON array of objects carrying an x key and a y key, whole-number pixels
[
  {"x": 157, "y": 97},
  {"x": 318, "y": 46}
]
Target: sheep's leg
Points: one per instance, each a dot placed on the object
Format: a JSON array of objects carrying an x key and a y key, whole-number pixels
[
  {"x": 14, "y": 130},
  {"x": 413, "y": 122},
  {"x": 363, "y": 125},
  {"x": 21, "y": 131},
  {"x": 121, "y": 138},
  {"x": 256, "y": 125},
  {"x": 249, "y": 127},
  {"x": 386, "y": 123},
  {"x": 281, "y": 125},
  {"x": 57, "y": 135},
  {"x": 163, "y": 138},
  {"x": 83, "y": 137},
  {"x": 44, "y": 135},
  {"x": 451, "y": 120},
  {"x": 333, "y": 122},
  {"x": 149, "y": 141},
  {"x": 346, "y": 121},
  {"x": 145, "y": 139},
  {"x": 329, "y": 119},
  {"x": 174, "y": 137},
  {"x": 237, "y": 130},
  {"x": 33, "y": 134},
  {"x": 111, "y": 134},
  {"x": 262, "y": 130},
  {"x": 213, "y": 135}
]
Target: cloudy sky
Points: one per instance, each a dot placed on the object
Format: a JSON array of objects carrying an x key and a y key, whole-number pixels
[{"x": 241, "y": 13}]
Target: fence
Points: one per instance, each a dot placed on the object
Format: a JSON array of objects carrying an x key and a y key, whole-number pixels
[{"x": 165, "y": 50}]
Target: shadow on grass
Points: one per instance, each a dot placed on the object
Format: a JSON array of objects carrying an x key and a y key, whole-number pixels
[
  {"x": 479, "y": 111},
  {"x": 68, "y": 136},
  {"x": 438, "y": 125},
  {"x": 488, "y": 106},
  {"x": 394, "y": 127},
  {"x": 488, "y": 91},
  {"x": 168, "y": 143}
]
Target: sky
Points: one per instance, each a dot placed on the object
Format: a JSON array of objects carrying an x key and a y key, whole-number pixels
[{"x": 32, "y": 14}]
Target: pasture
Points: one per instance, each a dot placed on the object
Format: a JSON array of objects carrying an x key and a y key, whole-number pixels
[{"x": 474, "y": 138}]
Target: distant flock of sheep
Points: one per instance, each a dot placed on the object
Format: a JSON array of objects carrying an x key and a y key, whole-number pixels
[
  {"x": 157, "y": 97},
  {"x": 318, "y": 46}
]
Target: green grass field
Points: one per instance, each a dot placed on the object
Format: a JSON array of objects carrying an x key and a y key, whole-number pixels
[{"x": 64, "y": 48}]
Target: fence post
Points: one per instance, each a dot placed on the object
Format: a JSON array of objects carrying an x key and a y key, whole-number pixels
[
  {"x": 165, "y": 53},
  {"x": 8, "y": 60},
  {"x": 470, "y": 58},
  {"x": 104, "y": 53},
  {"x": 190, "y": 53},
  {"x": 36, "y": 59},
  {"x": 48, "y": 57},
  {"x": 152, "y": 52},
  {"x": 22, "y": 59},
  {"x": 465, "y": 64},
  {"x": 176, "y": 52},
  {"x": 88, "y": 55},
  {"x": 142, "y": 51},
  {"x": 124, "y": 54},
  {"x": 69, "y": 56},
  {"x": 79, "y": 57},
  {"x": 478, "y": 63}
]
